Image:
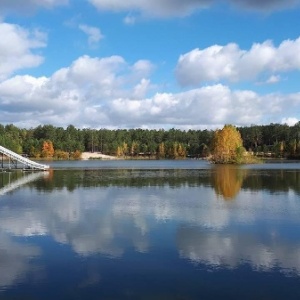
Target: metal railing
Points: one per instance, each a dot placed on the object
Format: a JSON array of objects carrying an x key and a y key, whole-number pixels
[{"x": 25, "y": 161}]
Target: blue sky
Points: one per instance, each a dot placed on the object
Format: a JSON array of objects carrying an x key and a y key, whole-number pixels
[{"x": 149, "y": 64}]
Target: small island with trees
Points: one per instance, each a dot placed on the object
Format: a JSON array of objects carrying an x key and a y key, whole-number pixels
[{"x": 228, "y": 145}]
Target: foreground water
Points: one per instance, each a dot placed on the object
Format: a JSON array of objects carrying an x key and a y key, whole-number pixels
[{"x": 150, "y": 230}]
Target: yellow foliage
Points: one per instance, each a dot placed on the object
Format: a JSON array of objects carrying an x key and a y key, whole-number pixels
[
  {"x": 228, "y": 181},
  {"x": 122, "y": 150},
  {"x": 181, "y": 151},
  {"x": 47, "y": 149},
  {"x": 34, "y": 152},
  {"x": 161, "y": 150},
  {"x": 119, "y": 151},
  {"x": 134, "y": 147},
  {"x": 227, "y": 145},
  {"x": 176, "y": 151},
  {"x": 76, "y": 155},
  {"x": 59, "y": 154}
]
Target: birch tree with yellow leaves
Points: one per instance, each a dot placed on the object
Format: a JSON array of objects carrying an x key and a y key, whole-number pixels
[{"x": 227, "y": 146}]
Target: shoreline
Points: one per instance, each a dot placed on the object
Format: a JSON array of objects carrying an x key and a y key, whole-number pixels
[{"x": 96, "y": 155}]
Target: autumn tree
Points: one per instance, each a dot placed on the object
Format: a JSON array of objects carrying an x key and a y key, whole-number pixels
[
  {"x": 181, "y": 151},
  {"x": 134, "y": 148},
  {"x": 161, "y": 153},
  {"x": 47, "y": 149},
  {"x": 227, "y": 145},
  {"x": 122, "y": 149},
  {"x": 76, "y": 155},
  {"x": 119, "y": 151},
  {"x": 59, "y": 154},
  {"x": 176, "y": 151}
]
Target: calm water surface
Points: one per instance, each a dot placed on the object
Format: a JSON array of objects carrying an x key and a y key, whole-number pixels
[{"x": 150, "y": 230}]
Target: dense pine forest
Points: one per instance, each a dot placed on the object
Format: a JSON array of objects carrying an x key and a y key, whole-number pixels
[{"x": 276, "y": 140}]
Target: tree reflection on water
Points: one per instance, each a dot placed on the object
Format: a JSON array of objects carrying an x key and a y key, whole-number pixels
[
  {"x": 228, "y": 180},
  {"x": 110, "y": 222}
]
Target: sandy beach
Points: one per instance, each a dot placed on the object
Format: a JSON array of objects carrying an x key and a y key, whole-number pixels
[{"x": 96, "y": 155}]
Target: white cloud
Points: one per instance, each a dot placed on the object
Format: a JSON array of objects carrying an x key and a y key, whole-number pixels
[
  {"x": 17, "y": 47},
  {"x": 209, "y": 106},
  {"x": 264, "y": 5},
  {"x": 72, "y": 93},
  {"x": 109, "y": 92},
  {"x": 94, "y": 34},
  {"x": 163, "y": 8},
  {"x": 231, "y": 63},
  {"x": 273, "y": 79},
  {"x": 28, "y": 6},
  {"x": 143, "y": 67},
  {"x": 129, "y": 20},
  {"x": 290, "y": 121},
  {"x": 154, "y": 7},
  {"x": 141, "y": 89}
]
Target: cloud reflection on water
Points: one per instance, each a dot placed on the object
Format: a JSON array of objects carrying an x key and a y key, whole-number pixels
[
  {"x": 220, "y": 249},
  {"x": 15, "y": 261},
  {"x": 109, "y": 220}
]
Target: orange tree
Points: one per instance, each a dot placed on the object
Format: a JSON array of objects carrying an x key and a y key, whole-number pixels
[
  {"x": 47, "y": 149},
  {"x": 227, "y": 146}
]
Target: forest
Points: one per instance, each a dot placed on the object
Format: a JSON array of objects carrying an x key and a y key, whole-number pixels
[{"x": 48, "y": 141}]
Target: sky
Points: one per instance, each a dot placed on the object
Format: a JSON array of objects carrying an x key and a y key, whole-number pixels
[{"x": 152, "y": 64}]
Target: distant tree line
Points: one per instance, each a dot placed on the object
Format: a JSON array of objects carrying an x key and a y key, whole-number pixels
[{"x": 279, "y": 140}]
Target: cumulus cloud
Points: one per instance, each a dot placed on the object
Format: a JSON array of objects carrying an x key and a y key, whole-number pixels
[
  {"x": 80, "y": 92},
  {"x": 129, "y": 20},
  {"x": 231, "y": 63},
  {"x": 264, "y": 5},
  {"x": 273, "y": 79},
  {"x": 290, "y": 121},
  {"x": 163, "y": 8},
  {"x": 94, "y": 34},
  {"x": 109, "y": 92},
  {"x": 210, "y": 105},
  {"x": 94, "y": 92},
  {"x": 28, "y": 6},
  {"x": 17, "y": 47},
  {"x": 154, "y": 7}
]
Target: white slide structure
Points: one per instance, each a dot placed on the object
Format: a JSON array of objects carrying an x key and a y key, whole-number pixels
[{"x": 29, "y": 164}]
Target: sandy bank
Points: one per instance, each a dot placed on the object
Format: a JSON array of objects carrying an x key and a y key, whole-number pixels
[{"x": 96, "y": 155}]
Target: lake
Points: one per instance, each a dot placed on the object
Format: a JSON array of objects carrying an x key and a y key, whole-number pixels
[{"x": 150, "y": 230}]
